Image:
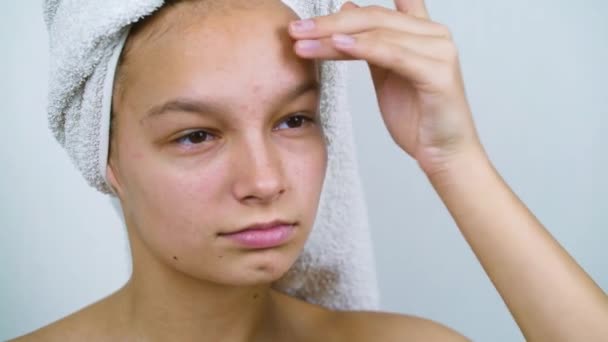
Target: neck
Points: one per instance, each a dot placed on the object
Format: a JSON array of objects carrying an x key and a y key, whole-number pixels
[
  {"x": 164, "y": 304},
  {"x": 176, "y": 315}
]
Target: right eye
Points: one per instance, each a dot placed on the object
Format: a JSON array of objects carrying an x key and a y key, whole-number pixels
[{"x": 195, "y": 138}]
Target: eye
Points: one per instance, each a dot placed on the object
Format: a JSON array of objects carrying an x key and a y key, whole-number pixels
[
  {"x": 195, "y": 137},
  {"x": 295, "y": 121}
]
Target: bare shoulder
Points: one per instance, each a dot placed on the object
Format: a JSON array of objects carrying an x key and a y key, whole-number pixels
[
  {"x": 89, "y": 323},
  {"x": 324, "y": 324},
  {"x": 383, "y": 326},
  {"x": 56, "y": 331}
]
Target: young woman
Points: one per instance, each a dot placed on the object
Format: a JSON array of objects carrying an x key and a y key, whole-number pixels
[{"x": 190, "y": 151}]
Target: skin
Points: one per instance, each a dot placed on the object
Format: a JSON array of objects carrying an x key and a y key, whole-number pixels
[
  {"x": 419, "y": 87},
  {"x": 213, "y": 291},
  {"x": 183, "y": 176}
]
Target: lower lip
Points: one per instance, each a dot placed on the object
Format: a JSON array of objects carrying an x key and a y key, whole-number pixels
[{"x": 262, "y": 238}]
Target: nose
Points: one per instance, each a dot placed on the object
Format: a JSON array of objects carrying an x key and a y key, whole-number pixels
[{"x": 259, "y": 172}]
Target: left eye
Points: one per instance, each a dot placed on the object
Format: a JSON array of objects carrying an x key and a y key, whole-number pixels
[
  {"x": 195, "y": 138},
  {"x": 295, "y": 121}
]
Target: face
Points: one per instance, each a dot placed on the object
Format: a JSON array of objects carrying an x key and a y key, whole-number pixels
[{"x": 217, "y": 129}]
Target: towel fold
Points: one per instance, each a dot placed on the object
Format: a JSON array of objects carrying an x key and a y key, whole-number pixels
[{"x": 336, "y": 267}]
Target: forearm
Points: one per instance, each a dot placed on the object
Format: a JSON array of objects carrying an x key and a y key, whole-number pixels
[{"x": 548, "y": 294}]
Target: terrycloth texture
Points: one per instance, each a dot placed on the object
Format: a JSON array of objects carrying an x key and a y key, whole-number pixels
[{"x": 336, "y": 268}]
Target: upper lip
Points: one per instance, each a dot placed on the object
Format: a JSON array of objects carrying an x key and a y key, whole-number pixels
[{"x": 260, "y": 226}]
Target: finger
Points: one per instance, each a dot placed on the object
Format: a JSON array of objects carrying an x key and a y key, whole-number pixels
[
  {"x": 417, "y": 8},
  {"x": 319, "y": 49},
  {"x": 434, "y": 47},
  {"x": 428, "y": 46},
  {"x": 418, "y": 69},
  {"x": 359, "y": 19}
]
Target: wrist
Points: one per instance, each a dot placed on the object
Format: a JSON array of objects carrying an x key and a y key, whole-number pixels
[{"x": 459, "y": 167}]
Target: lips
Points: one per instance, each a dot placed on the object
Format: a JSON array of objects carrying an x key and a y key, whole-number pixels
[
  {"x": 262, "y": 235},
  {"x": 261, "y": 226}
]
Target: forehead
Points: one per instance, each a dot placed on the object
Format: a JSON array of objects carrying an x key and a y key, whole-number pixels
[{"x": 247, "y": 53}]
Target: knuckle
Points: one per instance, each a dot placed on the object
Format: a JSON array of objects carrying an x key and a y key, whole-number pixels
[{"x": 443, "y": 31}]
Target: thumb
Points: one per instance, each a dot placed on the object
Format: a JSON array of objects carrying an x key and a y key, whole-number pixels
[{"x": 417, "y": 8}]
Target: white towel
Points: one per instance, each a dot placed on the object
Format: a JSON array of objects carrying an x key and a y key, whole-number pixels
[{"x": 86, "y": 38}]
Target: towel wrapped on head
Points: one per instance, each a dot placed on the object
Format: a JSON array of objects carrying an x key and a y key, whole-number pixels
[{"x": 86, "y": 40}]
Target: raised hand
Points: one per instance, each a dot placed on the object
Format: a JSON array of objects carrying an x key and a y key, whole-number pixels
[{"x": 415, "y": 69}]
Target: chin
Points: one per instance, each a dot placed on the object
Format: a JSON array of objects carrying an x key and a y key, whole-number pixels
[{"x": 265, "y": 267}]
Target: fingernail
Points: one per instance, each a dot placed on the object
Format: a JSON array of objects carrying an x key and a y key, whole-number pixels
[
  {"x": 343, "y": 39},
  {"x": 302, "y": 25},
  {"x": 308, "y": 44}
]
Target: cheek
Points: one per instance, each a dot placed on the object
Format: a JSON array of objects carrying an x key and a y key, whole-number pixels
[
  {"x": 171, "y": 205},
  {"x": 177, "y": 194},
  {"x": 306, "y": 173}
]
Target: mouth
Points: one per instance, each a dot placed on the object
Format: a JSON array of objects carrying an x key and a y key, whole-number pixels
[
  {"x": 261, "y": 226},
  {"x": 263, "y": 235}
]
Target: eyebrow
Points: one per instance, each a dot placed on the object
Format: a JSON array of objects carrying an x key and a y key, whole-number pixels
[{"x": 198, "y": 106}]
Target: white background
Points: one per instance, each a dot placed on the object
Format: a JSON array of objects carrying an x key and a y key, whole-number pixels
[{"x": 535, "y": 72}]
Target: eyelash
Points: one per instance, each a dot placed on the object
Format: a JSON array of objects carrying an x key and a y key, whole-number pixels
[
  {"x": 305, "y": 119},
  {"x": 195, "y": 135}
]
